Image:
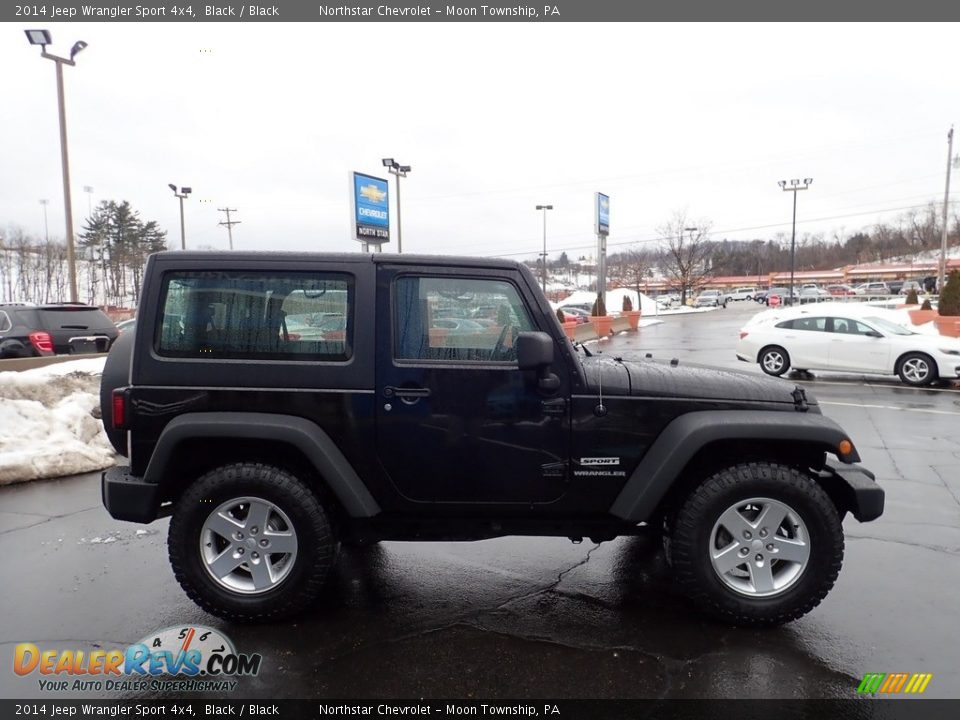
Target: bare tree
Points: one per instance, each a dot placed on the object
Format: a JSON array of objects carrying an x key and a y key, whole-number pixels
[
  {"x": 636, "y": 267},
  {"x": 686, "y": 256}
]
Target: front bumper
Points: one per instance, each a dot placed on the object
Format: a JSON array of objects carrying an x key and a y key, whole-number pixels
[
  {"x": 128, "y": 497},
  {"x": 856, "y": 489}
]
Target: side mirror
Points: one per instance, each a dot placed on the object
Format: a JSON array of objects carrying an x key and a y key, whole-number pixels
[
  {"x": 874, "y": 334},
  {"x": 535, "y": 352}
]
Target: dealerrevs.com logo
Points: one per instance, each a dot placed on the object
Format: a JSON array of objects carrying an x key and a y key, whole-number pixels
[{"x": 185, "y": 659}]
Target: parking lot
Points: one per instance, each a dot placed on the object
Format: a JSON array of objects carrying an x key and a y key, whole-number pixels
[{"x": 540, "y": 617}]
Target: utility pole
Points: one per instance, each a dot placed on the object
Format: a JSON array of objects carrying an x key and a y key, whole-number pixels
[
  {"x": 229, "y": 223},
  {"x": 543, "y": 268},
  {"x": 46, "y": 229},
  {"x": 946, "y": 202},
  {"x": 794, "y": 187}
]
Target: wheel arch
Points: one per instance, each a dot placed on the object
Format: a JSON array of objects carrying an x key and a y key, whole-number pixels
[
  {"x": 695, "y": 444},
  {"x": 194, "y": 443},
  {"x": 766, "y": 347},
  {"x": 903, "y": 356}
]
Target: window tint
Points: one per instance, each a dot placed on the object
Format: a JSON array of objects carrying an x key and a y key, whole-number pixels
[
  {"x": 846, "y": 326},
  {"x": 457, "y": 319},
  {"x": 257, "y": 316},
  {"x": 811, "y": 324},
  {"x": 79, "y": 319},
  {"x": 5, "y": 323}
]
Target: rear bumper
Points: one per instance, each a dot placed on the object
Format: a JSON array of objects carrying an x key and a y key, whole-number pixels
[
  {"x": 128, "y": 497},
  {"x": 857, "y": 488}
]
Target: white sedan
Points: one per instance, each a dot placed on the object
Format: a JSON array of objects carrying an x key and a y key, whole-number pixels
[{"x": 855, "y": 340}]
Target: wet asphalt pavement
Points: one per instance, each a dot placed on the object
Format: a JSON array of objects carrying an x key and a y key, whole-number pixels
[{"x": 537, "y": 617}]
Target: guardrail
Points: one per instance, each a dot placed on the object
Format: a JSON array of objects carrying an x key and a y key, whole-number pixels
[{"x": 20, "y": 364}]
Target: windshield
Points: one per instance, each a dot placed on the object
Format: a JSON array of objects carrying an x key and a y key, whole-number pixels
[{"x": 888, "y": 326}]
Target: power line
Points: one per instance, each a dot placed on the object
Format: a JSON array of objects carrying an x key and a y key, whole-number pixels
[{"x": 661, "y": 238}]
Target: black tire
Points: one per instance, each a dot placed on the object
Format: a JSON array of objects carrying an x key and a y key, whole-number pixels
[
  {"x": 692, "y": 532},
  {"x": 769, "y": 362},
  {"x": 917, "y": 369},
  {"x": 316, "y": 549}
]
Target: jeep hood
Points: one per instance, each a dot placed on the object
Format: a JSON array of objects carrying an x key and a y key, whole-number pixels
[{"x": 658, "y": 379}]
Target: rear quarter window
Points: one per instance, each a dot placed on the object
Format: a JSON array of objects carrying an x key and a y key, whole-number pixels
[{"x": 305, "y": 316}]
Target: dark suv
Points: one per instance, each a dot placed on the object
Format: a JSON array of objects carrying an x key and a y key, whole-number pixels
[
  {"x": 273, "y": 436},
  {"x": 28, "y": 330}
]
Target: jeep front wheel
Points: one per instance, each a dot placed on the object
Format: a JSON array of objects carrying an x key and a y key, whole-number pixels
[
  {"x": 251, "y": 542},
  {"x": 757, "y": 544}
]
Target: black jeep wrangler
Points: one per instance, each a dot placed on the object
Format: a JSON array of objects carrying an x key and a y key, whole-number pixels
[{"x": 278, "y": 405}]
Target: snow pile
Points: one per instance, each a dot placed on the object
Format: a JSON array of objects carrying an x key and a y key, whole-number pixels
[
  {"x": 47, "y": 423},
  {"x": 614, "y": 300}
]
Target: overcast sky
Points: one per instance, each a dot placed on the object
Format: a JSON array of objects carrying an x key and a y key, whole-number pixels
[{"x": 493, "y": 118}]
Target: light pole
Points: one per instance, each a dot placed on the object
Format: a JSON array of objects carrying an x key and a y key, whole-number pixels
[
  {"x": 42, "y": 38},
  {"x": 46, "y": 228},
  {"x": 400, "y": 171},
  {"x": 683, "y": 290},
  {"x": 793, "y": 187},
  {"x": 89, "y": 191},
  {"x": 942, "y": 279},
  {"x": 184, "y": 191},
  {"x": 544, "y": 267}
]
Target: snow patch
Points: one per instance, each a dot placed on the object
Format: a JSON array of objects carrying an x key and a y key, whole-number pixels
[{"x": 48, "y": 426}]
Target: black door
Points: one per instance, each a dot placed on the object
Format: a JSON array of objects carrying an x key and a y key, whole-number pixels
[{"x": 457, "y": 420}]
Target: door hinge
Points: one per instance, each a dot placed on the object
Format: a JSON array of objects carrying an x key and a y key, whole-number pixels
[
  {"x": 554, "y": 470},
  {"x": 554, "y": 406}
]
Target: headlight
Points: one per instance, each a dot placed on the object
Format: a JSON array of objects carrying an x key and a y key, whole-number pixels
[{"x": 950, "y": 351}]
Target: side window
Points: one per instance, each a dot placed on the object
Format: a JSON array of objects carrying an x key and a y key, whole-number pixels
[
  {"x": 810, "y": 324},
  {"x": 257, "y": 316},
  {"x": 5, "y": 323},
  {"x": 786, "y": 325},
  {"x": 457, "y": 319}
]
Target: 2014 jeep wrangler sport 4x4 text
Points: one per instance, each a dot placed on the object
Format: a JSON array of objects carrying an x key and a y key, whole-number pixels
[{"x": 278, "y": 405}]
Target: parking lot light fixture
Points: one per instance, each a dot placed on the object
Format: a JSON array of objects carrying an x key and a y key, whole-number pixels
[
  {"x": 544, "y": 267},
  {"x": 793, "y": 187},
  {"x": 184, "y": 191},
  {"x": 43, "y": 38},
  {"x": 395, "y": 168}
]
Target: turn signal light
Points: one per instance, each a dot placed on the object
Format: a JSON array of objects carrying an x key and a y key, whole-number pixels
[
  {"x": 119, "y": 409},
  {"x": 845, "y": 447}
]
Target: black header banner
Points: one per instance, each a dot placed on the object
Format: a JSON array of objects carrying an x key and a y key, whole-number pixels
[{"x": 473, "y": 11}]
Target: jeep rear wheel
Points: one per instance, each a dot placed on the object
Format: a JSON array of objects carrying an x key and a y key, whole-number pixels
[
  {"x": 757, "y": 544},
  {"x": 251, "y": 542}
]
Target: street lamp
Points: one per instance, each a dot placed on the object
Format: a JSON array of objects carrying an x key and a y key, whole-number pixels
[
  {"x": 42, "y": 38},
  {"x": 793, "y": 187},
  {"x": 544, "y": 267},
  {"x": 184, "y": 191},
  {"x": 400, "y": 171}
]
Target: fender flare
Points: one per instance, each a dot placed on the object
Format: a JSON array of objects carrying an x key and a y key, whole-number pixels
[
  {"x": 303, "y": 434},
  {"x": 687, "y": 434}
]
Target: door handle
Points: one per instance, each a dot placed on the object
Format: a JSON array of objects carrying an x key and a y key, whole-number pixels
[{"x": 406, "y": 392}]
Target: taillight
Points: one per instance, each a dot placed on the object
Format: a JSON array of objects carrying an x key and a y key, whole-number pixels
[
  {"x": 41, "y": 341},
  {"x": 743, "y": 334},
  {"x": 119, "y": 409}
]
